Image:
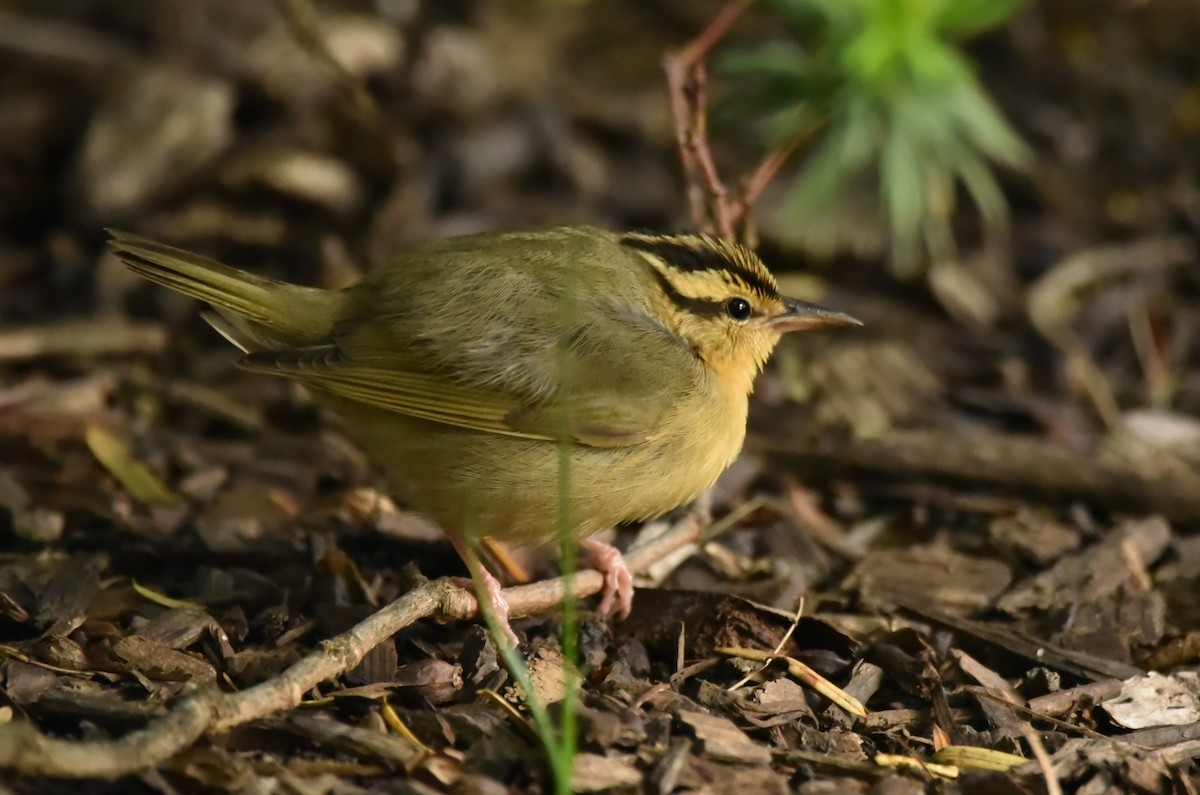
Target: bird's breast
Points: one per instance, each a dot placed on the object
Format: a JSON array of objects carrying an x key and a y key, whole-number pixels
[{"x": 702, "y": 439}]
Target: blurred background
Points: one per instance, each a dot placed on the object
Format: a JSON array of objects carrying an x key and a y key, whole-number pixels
[
  {"x": 944, "y": 158},
  {"x": 1005, "y": 191}
]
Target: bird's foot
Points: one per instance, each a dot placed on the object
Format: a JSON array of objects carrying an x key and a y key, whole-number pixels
[
  {"x": 617, "y": 596},
  {"x": 493, "y": 591}
]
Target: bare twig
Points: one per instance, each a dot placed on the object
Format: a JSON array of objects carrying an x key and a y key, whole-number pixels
[
  {"x": 1002, "y": 710},
  {"x": 98, "y": 337},
  {"x": 687, "y": 83},
  {"x": 34, "y": 37},
  {"x": 678, "y": 76},
  {"x": 700, "y": 46},
  {"x": 752, "y": 187},
  {"x": 1032, "y": 714},
  {"x": 24, "y": 750},
  {"x": 774, "y": 652},
  {"x": 503, "y": 557},
  {"x": 761, "y": 176},
  {"x": 305, "y": 25},
  {"x": 1062, "y": 702},
  {"x": 709, "y": 200},
  {"x": 1055, "y": 300},
  {"x": 357, "y": 103}
]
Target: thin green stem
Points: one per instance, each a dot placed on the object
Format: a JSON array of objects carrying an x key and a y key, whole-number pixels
[{"x": 566, "y": 740}]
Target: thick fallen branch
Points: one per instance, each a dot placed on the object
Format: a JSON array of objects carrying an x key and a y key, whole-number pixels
[
  {"x": 25, "y": 750},
  {"x": 1023, "y": 464}
]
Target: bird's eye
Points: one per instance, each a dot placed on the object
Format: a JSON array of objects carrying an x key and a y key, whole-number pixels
[{"x": 738, "y": 308}]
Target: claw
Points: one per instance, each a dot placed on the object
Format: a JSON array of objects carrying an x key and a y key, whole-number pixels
[
  {"x": 492, "y": 590},
  {"x": 617, "y": 596}
]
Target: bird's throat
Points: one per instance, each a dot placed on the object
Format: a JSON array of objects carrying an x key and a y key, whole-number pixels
[{"x": 735, "y": 374}]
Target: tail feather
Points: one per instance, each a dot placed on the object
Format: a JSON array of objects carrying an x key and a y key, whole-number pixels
[
  {"x": 245, "y": 334},
  {"x": 252, "y": 312}
]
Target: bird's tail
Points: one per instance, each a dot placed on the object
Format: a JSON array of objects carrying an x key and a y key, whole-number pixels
[{"x": 252, "y": 312}]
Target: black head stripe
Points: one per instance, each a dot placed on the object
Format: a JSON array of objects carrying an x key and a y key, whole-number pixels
[
  {"x": 690, "y": 258},
  {"x": 679, "y": 255},
  {"x": 754, "y": 281},
  {"x": 697, "y": 306}
]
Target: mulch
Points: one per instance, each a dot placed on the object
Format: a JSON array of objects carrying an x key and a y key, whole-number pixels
[{"x": 975, "y": 517}]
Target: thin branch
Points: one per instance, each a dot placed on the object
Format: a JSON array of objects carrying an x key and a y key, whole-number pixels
[
  {"x": 104, "y": 336},
  {"x": 756, "y": 183},
  {"x": 718, "y": 194},
  {"x": 687, "y": 83},
  {"x": 354, "y": 101},
  {"x": 699, "y": 47},
  {"x": 305, "y": 25},
  {"x": 752, "y": 186},
  {"x": 677, "y": 87},
  {"x": 26, "y": 751},
  {"x": 709, "y": 200}
]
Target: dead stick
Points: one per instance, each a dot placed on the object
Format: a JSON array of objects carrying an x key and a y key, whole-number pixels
[
  {"x": 26, "y": 751},
  {"x": 699, "y": 47},
  {"x": 752, "y": 187},
  {"x": 764, "y": 172},
  {"x": 354, "y": 101},
  {"x": 91, "y": 337},
  {"x": 677, "y": 87},
  {"x": 1019, "y": 463},
  {"x": 718, "y": 194},
  {"x": 686, "y": 85},
  {"x": 305, "y": 25}
]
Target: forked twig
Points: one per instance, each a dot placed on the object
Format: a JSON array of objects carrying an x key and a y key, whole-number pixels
[
  {"x": 26, "y": 751},
  {"x": 709, "y": 200}
]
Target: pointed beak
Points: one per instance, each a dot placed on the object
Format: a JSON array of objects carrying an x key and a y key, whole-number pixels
[{"x": 801, "y": 316}]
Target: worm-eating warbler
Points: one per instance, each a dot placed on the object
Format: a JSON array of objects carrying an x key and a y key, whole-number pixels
[{"x": 461, "y": 365}]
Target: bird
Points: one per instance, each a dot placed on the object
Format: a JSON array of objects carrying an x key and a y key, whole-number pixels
[{"x": 475, "y": 369}]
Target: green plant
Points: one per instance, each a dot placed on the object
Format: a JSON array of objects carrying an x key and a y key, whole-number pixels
[
  {"x": 559, "y": 743},
  {"x": 882, "y": 89}
]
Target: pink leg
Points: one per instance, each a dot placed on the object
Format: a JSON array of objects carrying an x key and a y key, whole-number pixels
[
  {"x": 617, "y": 596},
  {"x": 486, "y": 583}
]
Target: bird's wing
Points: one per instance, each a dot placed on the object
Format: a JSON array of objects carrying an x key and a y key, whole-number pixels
[
  {"x": 414, "y": 394},
  {"x": 617, "y": 388},
  {"x": 611, "y": 393}
]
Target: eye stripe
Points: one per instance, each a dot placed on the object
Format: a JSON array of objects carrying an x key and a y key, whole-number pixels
[{"x": 688, "y": 258}]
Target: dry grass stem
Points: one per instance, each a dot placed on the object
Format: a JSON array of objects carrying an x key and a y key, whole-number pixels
[{"x": 805, "y": 674}]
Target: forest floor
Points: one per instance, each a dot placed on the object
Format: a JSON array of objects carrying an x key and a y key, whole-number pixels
[{"x": 976, "y": 517}]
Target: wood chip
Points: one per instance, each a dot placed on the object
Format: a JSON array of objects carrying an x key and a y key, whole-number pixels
[
  {"x": 1094, "y": 573},
  {"x": 722, "y": 741},
  {"x": 1156, "y": 700},
  {"x": 601, "y": 773},
  {"x": 160, "y": 662},
  {"x": 935, "y": 574}
]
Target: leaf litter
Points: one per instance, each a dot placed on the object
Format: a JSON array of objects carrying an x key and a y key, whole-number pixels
[{"x": 988, "y": 500}]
